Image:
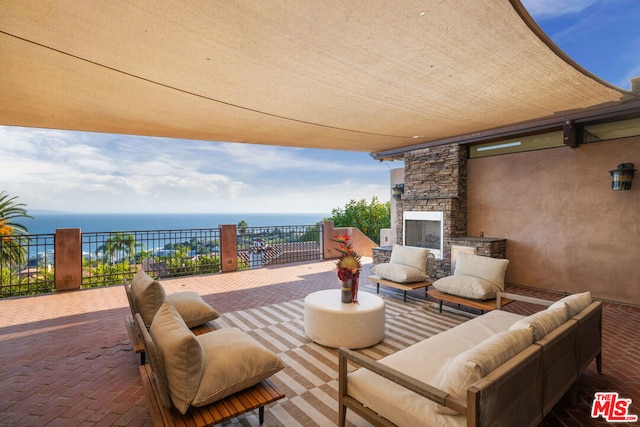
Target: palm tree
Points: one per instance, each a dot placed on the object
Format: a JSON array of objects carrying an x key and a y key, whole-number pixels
[
  {"x": 242, "y": 227},
  {"x": 14, "y": 235},
  {"x": 120, "y": 244},
  {"x": 242, "y": 230}
]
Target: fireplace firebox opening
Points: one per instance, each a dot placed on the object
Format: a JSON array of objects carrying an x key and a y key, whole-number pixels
[{"x": 424, "y": 230}]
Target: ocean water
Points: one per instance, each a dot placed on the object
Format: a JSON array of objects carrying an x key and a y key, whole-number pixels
[{"x": 47, "y": 223}]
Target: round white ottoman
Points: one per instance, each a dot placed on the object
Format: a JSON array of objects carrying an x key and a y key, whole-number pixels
[{"x": 329, "y": 322}]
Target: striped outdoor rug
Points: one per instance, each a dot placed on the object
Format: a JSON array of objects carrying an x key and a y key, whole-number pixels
[{"x": 310, "y": 379}]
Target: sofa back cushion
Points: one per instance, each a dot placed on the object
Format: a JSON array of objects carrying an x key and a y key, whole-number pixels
[
  {"x": 543, "y": 322},
  {"x": 471, "y": 365},
  {"x": 575, "y": 303},
  {"x": 180, "y": 354},
  {"x": 149, "y": 295},
  {"x": 410, "y": 256},
  {"x": 482, "y": 267}
]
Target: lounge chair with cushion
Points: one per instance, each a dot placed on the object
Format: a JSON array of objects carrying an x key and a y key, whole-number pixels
[
  {"x": 206, "y": 379},
  {"x": 475, "y": 282},
  {"x": 409, "y": 268}
]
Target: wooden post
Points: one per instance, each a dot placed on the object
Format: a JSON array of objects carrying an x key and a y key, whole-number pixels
[
  {"x": 327, "y": 244},
  {"x": 228, "y": 247},
  {"x": 68, "y": 259}
]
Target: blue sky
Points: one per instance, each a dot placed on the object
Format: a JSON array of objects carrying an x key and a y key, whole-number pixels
[
  {"x": 601, "y": 35},
  {"x": 88, "y": 172}
]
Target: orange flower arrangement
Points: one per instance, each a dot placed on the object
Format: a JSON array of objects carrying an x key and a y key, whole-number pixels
[{"x": 348, "y": 264}]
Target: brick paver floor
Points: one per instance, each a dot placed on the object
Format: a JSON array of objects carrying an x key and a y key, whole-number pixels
[{"x": 66, "y": 359}]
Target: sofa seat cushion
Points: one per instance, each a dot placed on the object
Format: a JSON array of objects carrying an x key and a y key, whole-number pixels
[
  {"x": 474, "y": 364},
  {"x": 543, "y": 322},
  {"x": 192, "y": 308},
  {"x": 467, "y": 287},
  {"x": 233, "y": 361},
  {"x": 180, "y": 354},
  {"x": 399, "y": 273},
  {"x": 149, "y": 295},
  {"x": 410, "y": 256},
  {"x": 424, "y": 361}
]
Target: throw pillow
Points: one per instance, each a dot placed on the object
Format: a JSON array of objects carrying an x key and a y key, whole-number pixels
[
  {"x": 543, "y": 322},
  {"x": 181, "y": 355},
  {"x": 233, "y": 361},
  {"x": 410, "y": 256},
  {"x": 477, "y": 362},
  {"x": 399, "y": 273},
  {"x": 149, "y": 295},
  {"x": 575, "y": 303},
  {"x": 192, "y": 308},
  {"x": 482, "y": 267},
  {"x": 467, "y": 287}
]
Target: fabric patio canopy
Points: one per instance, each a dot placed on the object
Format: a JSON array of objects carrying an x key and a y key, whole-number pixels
[{"x": 358, "y": 75}]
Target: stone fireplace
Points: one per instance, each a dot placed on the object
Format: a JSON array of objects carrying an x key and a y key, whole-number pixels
[{"x": 435, "y": 184}]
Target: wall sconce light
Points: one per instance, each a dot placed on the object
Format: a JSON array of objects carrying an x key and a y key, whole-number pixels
[
  {"x": 622, "y": 176},
  {"x": 397, "y": 191}
]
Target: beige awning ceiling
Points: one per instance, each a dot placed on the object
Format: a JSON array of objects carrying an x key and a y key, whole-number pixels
[{"x": 353, "y": 75}]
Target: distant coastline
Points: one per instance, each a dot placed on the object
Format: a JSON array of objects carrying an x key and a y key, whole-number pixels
[{"x": 46, "y": 222}]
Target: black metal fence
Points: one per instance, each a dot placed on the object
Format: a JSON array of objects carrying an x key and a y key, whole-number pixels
[
  {"x": 261, "y": 246},
  {"x": 26, "y": 264},
  {"x": 108, "y": 257}
]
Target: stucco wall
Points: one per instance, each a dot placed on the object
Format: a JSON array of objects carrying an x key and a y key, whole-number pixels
[{"x": 566, "y": 229}]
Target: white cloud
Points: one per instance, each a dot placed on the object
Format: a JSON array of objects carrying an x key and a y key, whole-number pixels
[
  {"x": 554, "y": 8},
  {"x": 90, "y": 172}
]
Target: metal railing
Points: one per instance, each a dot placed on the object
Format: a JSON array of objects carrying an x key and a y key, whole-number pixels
[
  {"x": 109, "y": 257},
  {"x": 261, "y": 246},
  {"x": 26, "y": 264}
]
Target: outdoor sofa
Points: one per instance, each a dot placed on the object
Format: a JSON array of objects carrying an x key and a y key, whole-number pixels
[{"x": 498, "y": 369}]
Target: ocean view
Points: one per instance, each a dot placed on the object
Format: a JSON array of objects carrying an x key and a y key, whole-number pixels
[{"x": 47, "y": 223}]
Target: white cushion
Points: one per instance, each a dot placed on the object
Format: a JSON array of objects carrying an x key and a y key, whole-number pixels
[
  {"x": 180, "y": 353},
  {"x": 574, "y": 303},
  {"x": 425, "y": 361},
  {"x": 482, "y": 267},
  {"x": 543, "y": 322},
  {"x": 399, "y": 273},
  {"x": 192, "y": 308},
  {"x": 149, "y": 295},
  {"x": 410, "y": 256},
  {"x": 467, "y": 287},
  {"x": 233, "y": 361},
  {"x": 472, "y": 365}
]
